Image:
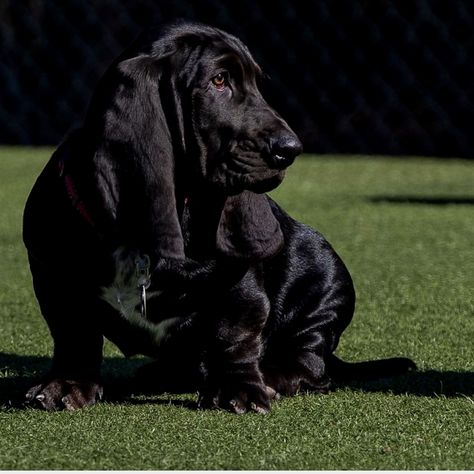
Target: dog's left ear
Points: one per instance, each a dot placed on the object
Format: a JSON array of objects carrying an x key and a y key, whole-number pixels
[
  {"x": 130, "y": 125},
  {"x": 248, "y": 228}
]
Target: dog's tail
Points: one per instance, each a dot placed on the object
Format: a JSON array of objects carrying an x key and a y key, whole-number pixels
[{"x": 340, "y": 370}]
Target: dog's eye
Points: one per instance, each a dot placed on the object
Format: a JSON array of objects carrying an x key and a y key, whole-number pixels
[{"x": 220, "y": 81}]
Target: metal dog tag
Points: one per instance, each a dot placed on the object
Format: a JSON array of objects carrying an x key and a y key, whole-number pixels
[
  {"x": 142, "y": 265},
  {"x": 143, "y": 301}
]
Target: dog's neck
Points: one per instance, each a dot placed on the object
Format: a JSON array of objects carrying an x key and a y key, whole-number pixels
[{"x": 199, "y": 222}]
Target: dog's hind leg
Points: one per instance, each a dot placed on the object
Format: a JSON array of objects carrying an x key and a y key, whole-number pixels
[
  {"x": 295, "y": 359},
  {"x": 74, "y": 378},
  {"x": 303, "y": 331}
]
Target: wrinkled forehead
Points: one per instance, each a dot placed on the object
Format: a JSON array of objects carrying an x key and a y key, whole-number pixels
[
  {"x": 224, "y": 53},
  {"x": 233, "y": 50},
  {"x": 231, "y": 58}
]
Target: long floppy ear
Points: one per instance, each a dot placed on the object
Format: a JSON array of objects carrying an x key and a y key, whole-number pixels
[
  {"x": 134, "y": 156},
  {"x": 248, "y": 229}
]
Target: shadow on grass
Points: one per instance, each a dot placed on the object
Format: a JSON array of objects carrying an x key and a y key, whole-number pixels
[
  {"x": 428, "y": 383},
  {"x": 430, "y": 200},
  {"x": 19, "y": 373}
]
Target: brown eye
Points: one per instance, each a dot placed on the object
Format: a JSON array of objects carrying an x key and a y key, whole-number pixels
[{"x": 220, "y": 81}]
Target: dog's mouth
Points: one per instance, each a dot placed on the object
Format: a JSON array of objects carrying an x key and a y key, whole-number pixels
[
  {"x": 246, "y": 170},
  {"x": 268, "y": 184}
]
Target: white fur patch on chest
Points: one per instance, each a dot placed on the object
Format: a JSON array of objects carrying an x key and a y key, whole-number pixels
[{"x": 124, "y": 295}]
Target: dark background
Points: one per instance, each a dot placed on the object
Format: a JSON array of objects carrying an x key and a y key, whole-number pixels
[{"x": 374, "y": 76}]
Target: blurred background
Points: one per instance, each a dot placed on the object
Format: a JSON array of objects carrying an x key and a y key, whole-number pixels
[{"x": 350, "y": 76}]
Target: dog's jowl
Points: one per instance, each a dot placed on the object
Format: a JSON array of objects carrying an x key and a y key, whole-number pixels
[{"x": 150, "y": 226}]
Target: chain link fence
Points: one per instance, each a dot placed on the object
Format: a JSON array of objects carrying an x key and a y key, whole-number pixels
[{"x": 358, "y": 76}]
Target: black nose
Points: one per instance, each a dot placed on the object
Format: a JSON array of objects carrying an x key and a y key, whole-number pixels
[{"x": 284, "y": 149}]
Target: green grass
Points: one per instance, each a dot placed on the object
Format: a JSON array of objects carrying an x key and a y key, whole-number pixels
[{"x": 405, "y": 228}]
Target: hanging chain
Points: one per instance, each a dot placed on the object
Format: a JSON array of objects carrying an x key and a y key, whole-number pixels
[{"x": 142, "y": 265}]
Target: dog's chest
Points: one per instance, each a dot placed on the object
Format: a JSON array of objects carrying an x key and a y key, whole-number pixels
[{"x": 125, "y": 294}]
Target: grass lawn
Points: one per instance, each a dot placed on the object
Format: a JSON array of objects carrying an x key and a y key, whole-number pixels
[{"x": 405, "y": 228}]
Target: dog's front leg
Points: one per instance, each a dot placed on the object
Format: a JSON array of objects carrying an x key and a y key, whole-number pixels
[
  {"x": 74, "y": 378},
  {"x": 234, "y": 381},
  {"x": 73, "y": 318}
]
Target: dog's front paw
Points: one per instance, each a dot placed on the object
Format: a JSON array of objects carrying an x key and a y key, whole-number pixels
[
  {"x": 60, "y": 394},
  {"x": 237, "y": 398}
]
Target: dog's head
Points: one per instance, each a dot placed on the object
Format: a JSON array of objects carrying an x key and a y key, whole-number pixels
[
  {"x": 183, "y": 109},
  {"x": 242, "y": 143}
]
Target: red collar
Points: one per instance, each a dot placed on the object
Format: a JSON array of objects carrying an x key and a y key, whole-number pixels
[
  {"x": 71, "y": 190},
  {"x": 76, "y": 201}
]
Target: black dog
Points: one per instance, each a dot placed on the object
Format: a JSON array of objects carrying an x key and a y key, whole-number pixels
[{"x": 150, "y": 226}]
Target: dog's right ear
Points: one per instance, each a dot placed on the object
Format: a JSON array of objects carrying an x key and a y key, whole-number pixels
[
  {"x": 248, "y": 229},
  {"x": 133, "y": 152}
]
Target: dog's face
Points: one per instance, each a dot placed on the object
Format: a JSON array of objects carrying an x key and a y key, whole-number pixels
[
  {"x": 201, "y": 82},
  {"x": 241, "y": 141}
]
